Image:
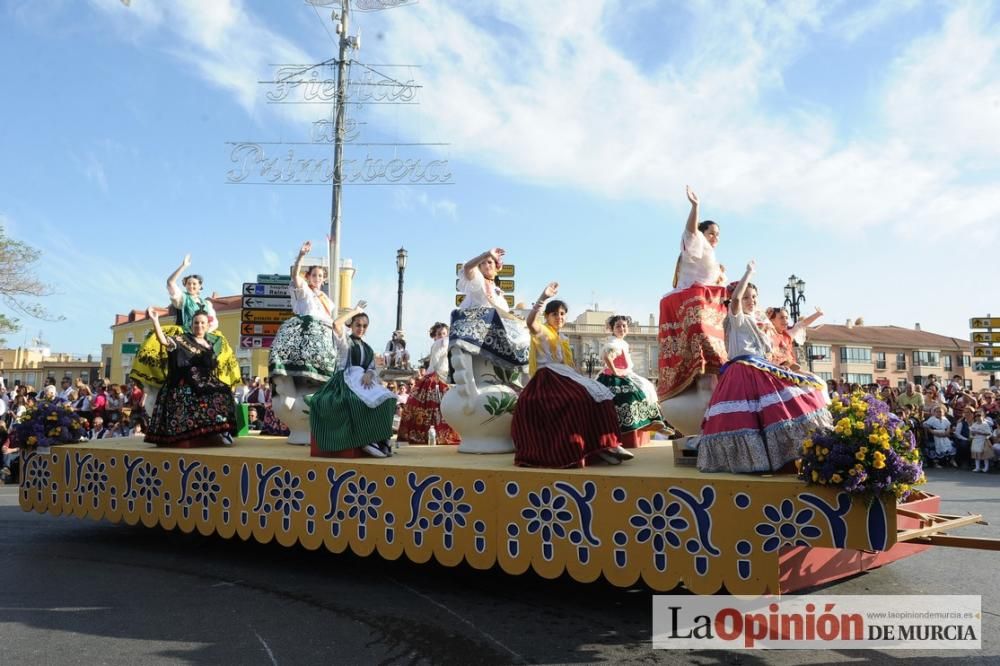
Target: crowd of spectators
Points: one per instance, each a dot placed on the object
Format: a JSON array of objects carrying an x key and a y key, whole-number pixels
[{"x": 946, "y": 419}]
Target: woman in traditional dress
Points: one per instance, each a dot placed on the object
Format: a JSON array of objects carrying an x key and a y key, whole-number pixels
[
  {"x": 272, "y": 424},
  {"x": 423, "y": 407},
  {"x": 634, "y": 395},
  {"x": 784, "y": 338},
  {"x": 482, "y": 325},
  {"x": 692, "y": 345},
  {"x": 303, "y": 347},
  {"x": 194, "y": 405},
  {"x": 562, "y": 419},
  {"x": 353, "y": 410},
  {"x": 939, "y": 448},
  {"x": 759, "y": 413},
  {"x": 150, "y": 366}
]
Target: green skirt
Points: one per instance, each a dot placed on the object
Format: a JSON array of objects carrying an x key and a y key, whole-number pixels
[{"x": 339, "y": 420}]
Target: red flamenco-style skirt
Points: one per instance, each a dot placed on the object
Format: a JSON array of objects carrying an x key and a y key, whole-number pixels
[
  {"x": 558, "y": 423},
  {"x": 423, "y": 410},
  {"x": 691, "y": 338},
  {"x": 758, "y": 416}
]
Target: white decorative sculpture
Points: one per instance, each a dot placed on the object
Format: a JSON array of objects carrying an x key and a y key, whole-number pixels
[
  {"x": 480, "y": 407},
  {"x": 290, "y": 407},
  {"x": 686, "y": 410}
]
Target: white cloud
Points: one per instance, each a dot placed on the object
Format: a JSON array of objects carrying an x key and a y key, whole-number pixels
[
  {"x": 870, "y": 17},
  {"x": 406, "y": 199}
]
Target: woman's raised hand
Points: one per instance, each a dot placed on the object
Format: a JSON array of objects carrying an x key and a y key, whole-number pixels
[
  {"x": 152, "y": 313},
  {"x": 692, "y": 197},
  {"x": 187, "y": 260},
  {"x": 306, "y": 248},
  {"x": 551, "y": 290},
  {"x": 360, "y": 307},
  {"x": 497, "y": 253},
  {"x": 819, "y": 311},
  {"x": 751, "y": 267}
]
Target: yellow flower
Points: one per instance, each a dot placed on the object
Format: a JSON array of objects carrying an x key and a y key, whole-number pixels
[
  {"x": 825, "y": 451},
  {"x": 885, "y": 445},
  {"x": 32, "y": 440},
  {"x": 859, "y": 467},
  {"x": 807, "y": 443},
  {"x": 53, "y": 417},
  {"x": 878, "y": 464},
  {"x": 873, "y": 439},
  {"x": 852, "y": 472},
  {"x": 863, "y": 449},
  {"x": 859, "y": 456},
  {"x": 815, "y": 475},
  {"x": 836, "y": 478}
]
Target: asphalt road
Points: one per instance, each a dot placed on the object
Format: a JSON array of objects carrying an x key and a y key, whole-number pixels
[{"x": 82, "y": 592}]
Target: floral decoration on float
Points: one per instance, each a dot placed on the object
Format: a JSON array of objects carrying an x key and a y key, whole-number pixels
[
  {"x": 870, "y": 452},
  {"x": 47, "y": 424}
]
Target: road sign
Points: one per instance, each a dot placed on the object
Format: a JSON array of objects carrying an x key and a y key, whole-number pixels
[
  {"x": 258, "y": 289},
  {"x": 986, "y": 352},
  {"x": 265, "y": 316},
  {"x": 507, "y": 297},
  {"x": 985, "y": 337},
  {"x": 267, "y": 302},
  {"x": 984, "y": 322},
  {"x": 259, "y": 329},
  {"x": 273, "y": 278},
  {"x": 505, "y": 285},
  {"x": 986, "y": 366},
  {"x": 256, "y": 341},
  {"x": 130, "y": 348},
  {"x": 507, "y": 271}
]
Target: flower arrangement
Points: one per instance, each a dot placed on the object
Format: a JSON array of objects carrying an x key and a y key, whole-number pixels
[
  {"x": 47, "y": 424},
  {"x": 869, "y": 452}
]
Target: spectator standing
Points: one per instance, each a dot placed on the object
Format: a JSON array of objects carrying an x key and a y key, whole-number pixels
[
  {"x": 981, "y": 450},
  {"x": 242, "y": 391},
  {"x": 940, "y": 448}
]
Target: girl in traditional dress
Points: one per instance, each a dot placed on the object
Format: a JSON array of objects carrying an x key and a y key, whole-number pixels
[
  {"x": 692, "y": 344},
  {"x": 353, "y": 410},
  {"x": 482, "y": 325},
  {"x": 194, "y": 405},
  {"x": 634, "y": 395},
  {"x": 982, "y": 450},
  {"x": 759, "y": 413},
  {"x": 939, "y": 447},
  {"x": 303, "y": 347},
  {"x": 150, "y": 366},
  {"x": 562, "y": 419},
  {"x": 784, "y": 338},
  {"x": 423, "y": 408}
]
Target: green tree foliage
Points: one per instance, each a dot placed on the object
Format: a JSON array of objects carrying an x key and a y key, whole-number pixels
[{"x": 18, "y": 284}]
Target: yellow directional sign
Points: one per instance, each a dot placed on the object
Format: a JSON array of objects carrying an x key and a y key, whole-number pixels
[
  {"x": 507, "y": 271},
  {"x": 265, "y": 316},
  {"x": 507, "y": 297},
  {"x": 986, "y": 337},
  {"x": 986, "y": 352},
  {"x": 984, "y": 322}
]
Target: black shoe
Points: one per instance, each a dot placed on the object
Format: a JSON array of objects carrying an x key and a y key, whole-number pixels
[
  {"x": 227, "y": 439},
  {"x": 385, "y": 446}
]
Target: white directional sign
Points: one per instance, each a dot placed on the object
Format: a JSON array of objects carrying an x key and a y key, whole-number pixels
[
  {"x": 257, "y": 289},
  {"x": 255, "y": 341},
  {"x": 266, "y": 303}
]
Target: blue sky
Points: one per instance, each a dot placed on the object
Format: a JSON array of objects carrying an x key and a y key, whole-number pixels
[{"x": 853, "y": 144}]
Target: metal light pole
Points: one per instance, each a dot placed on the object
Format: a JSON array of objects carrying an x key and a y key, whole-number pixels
[
  {"x": 795, "y": 296},
  {"x": 338, "y": 149},
  {"x": 401, "y": 266}
]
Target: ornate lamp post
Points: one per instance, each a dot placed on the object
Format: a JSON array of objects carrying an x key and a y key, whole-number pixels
[
  {"x": 401, "y": 266},
  {"x": 795, "y": 296}
]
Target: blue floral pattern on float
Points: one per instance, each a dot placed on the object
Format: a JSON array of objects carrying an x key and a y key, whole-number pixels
[
  {"x": 550, "y": 514},
  {"x": 288, "y": 496},
  {"x": 363, "y": 503},
  {"x": 658, "y": 523},
  {"x": 37, "y": 474},
  {"x": 445, "y": 505},
  {"x": 786, "y": 527}
]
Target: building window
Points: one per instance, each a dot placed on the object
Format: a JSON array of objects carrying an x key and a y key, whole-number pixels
[
  {"x": 855, "y": 355},
  {"x": 926, "y": 358},
  {"x": 918, "y": 380},
  {"x": 964, "y": 361},
  {"x": 901, "y": 361},
  {"x": 819, "y": 353},
  {"x": 879, "y": 360},
  {"x": 968, "y": 384},
  {"x": 902, "y": 384},
  {"x": 858, "y": 378},
  {"x": 825, "y": 376},
  {"x": 946, "y": 361}
]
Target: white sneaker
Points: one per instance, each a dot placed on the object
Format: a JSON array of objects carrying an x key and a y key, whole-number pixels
[
  {"x": 373, "y": 450},
  {"x": 622, "y": 453},
  {"x": 609, "y": 458}
]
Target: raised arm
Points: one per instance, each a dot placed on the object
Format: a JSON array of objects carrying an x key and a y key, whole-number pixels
[
  {"x": 174, "y": 289},
  {"x": 472, "y": 264},
  {"x": 154, "y": 317},
  {"x": 736, "y": 304},
  {"x": 807, "y": 321},
  {"x": 550, "y": 290},
  {"x": 692, "y": 223},
  {"x": 338, "y": 323},
  {"x": 297, "y": 281}
]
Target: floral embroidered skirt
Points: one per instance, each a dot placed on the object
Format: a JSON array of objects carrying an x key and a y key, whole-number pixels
[
  {"x": 692, "y": 341},
  {"x": 634, "y": 401},
  {"x": 559, "y": 423},
  {"x": 339, "y": 419},
  {"x": 272, "y": 424},
  {"x": 150, "y": 364},
  {"x": 303, "y": 348},
  {"x": 423, "y": 410},
  {"x": 503, "y": 339},
  {"x": 185, "y": 411},
  {"x": 758, "y": 416}
]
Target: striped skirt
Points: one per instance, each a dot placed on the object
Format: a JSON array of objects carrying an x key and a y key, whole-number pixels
[
  {"x": 340, "y": 419},
  {"x": 692, "y": 342},
  {"x": 303, "y": 348},
  {"x": 559, "y": 423},
  {"x": 423, "y": 410},
  {"x": 758, "y": 416}
]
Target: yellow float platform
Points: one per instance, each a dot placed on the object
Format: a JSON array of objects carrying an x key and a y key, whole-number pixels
[{"x": 645, "y": 520}]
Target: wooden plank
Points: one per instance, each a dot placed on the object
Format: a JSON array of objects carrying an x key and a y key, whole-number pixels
[{"x": 975, "y": 543}]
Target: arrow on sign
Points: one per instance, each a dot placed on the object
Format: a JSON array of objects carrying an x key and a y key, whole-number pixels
[
  {"x": 255, "y": 341},
  {"x": 986, "y": 366},
  {"x": 257, "y": 289},
  {"x": 267, "y": 302}
]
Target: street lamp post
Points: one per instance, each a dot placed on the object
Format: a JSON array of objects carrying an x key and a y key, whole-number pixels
[
  {"x": 795, "y": 296},
  {"x": 401, "y": 266}
]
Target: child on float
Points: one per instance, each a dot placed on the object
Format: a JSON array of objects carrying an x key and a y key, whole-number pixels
[
  {"x": 423, "y": 408},
  {"x": 562, "y": 418},
  {"x": 353, "y": 410},
  {"x": 759, "y": 413},
  {"x": 634, "y": 396},
  {"x": 785, "y": 337},
  {"x": 981, "y": 448},
  {"x": 939, "y": 448}
]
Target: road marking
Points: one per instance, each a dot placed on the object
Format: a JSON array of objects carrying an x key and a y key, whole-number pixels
[
  {"x": 66, "y": 609},
  {"x": 266, "y": 646},
  {"x": 457, "y": 616}
]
